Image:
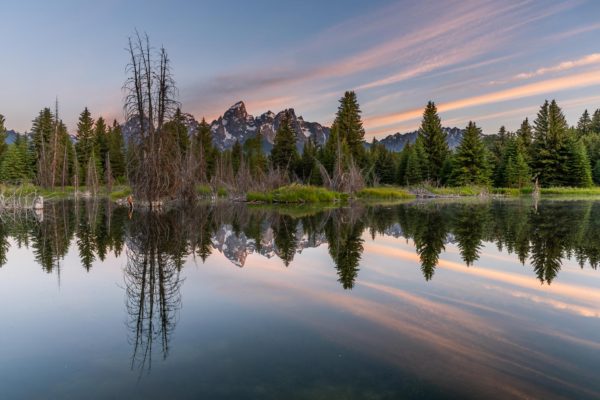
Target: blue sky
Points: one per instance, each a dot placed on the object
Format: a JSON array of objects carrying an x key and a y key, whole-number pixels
[{"x": 493, "y": 62}]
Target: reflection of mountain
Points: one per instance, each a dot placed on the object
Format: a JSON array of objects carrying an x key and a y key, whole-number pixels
[
  {"x": 237, "y": 247},
  {"x": 541, "y": 237}
]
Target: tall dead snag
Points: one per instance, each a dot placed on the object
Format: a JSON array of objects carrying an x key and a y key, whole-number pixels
[{"x": 150, "y": 100}]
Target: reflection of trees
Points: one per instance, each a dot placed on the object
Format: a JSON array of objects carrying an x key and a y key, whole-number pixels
[
  {"x": 343, "y": 231},
  {"x": 542, "y": 236},
  {"x": 152, "y": 285}
]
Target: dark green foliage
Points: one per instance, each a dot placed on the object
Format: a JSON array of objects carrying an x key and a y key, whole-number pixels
[
  {"x": 284, "y": 154},
  {"x": 549, "y": 156},
  {"x": 596, "y": 172},
  {"x": 434, "y": 142},
  {"x": 236, "y": 156},
  {"x": 254, "y": 155},
  {"x": 307, "y": 169},
  {"x": 384, "y": 166},
  {"x": 470, "y": 165},
  {"x": 579, "y": 172},
  {"x": 116, "y": 147},
  {"x": 15, "y": 166},
  {"x": 205, "y": 151},
  {"x": 86, "y": 142},
  {"x": 513, "y": 171},
  {"x": 2, "y": 136},
  {"x": 349, "y": 126},
  {"x": 595, "y": 125},
  {"x": 584, "y": 125}
]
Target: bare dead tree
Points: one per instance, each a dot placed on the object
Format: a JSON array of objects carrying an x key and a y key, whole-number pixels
[{"x": 150, "y": 100}]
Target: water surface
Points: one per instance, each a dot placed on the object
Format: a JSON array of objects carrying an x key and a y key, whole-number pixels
[{"x": 470, "y": 299}]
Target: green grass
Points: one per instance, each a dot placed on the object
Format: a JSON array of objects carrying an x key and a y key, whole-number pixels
[
  {"x": 385, "y": 193},
  {"x": 571, "y": 191},
  {"x": 470, "y": 190},
  {"x": 508, "y": 192},
  {"x": 296, "y": 194},
  {"x": 206, "y": 191},
  {"x": 120, "y": 192}
]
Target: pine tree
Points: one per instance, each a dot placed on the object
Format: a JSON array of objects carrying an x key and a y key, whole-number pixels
[
  {"x": 416, "y": 163},
  {"x": 595, "y": 126},
  {"x": 236, "y": 156},
  {"x": 3, "y": 145},
  {"x": 549, "y": 156},
  {"x": 85, "y": 142},
  {"x": 434, "y": 142},
  {"x": 349, "y": 126},
  {"x": 14, "y": 168},
  {"x": 596, "y": 173},
  {"x": 43, "y": 131},
  {"x": 514, "y": 171},
  {"x": 284, "y": 154},
  {"x": 253, "y": 153},
  {"x": 578, "y": 165},
  {"x": 205, "y": 149},
  {"x": 307, "y": 164},
  {"x": 384, "y": 165},
  {"x": 525, "y": 139},
  {"x": 116, "y": 153},
  {"x": 584, "y": 125},
  {"x": 470, "y": 162}
]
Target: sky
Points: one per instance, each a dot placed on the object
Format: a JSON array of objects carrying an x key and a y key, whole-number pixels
[{"x": 493, "y": 62}]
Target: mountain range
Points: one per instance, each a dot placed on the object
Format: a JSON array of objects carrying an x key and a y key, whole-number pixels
[{"x": 237, "y": 125}]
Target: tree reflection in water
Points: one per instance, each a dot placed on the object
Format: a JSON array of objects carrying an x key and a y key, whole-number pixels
[
  {"x": 152, "y": 285},
  {"x": 157, "y": 245}
]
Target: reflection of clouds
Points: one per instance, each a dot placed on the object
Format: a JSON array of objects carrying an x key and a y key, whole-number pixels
[
  {"x": 583, "y": 294},
  {"x": 556, "y": 304},
  {"x": 448, "y": 340}
]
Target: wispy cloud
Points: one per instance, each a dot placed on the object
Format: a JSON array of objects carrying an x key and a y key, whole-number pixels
[
  {"x": 590, "y": 59},
  {"x": 590, "y": 78}
]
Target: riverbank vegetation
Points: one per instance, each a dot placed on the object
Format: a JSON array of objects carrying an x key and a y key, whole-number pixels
[{"x": 161, "y": 158}]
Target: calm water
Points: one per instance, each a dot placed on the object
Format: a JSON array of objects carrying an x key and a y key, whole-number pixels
[{"x": 424, "y": 300}]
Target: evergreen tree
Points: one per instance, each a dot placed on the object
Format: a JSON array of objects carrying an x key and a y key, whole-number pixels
[
  {"x": 43, "y": 130},
  {"x": 384, "y": 165},
  {"x": 349, "y": 126},
  {"x": 413, "y": 163},
  {"x": 595, "y": 126},
  {"x": 434, "y": 142},
  {"x": 584, "y": 125},
  {"x": 596, "y": 173},
  {"x": 116, "y": 153},
  {"x": 514, "y": 171},
  {"x": 205, "y": 151},
  {"x": 253, "y": 153},
  {"x": 307, "y": 165},
  {"x": 578, "y": 165},
  {"x": 85, "y": 142},
  {"x": 284, "y": 154},
  {"x": 3, "y": 145},
  {"x": 525, "y": 139},
  {"x": 470, "y": 162},
  {"x": 549, "y": 154},
  {"x": 100, "y": 145},
  {"x": 14, "y": 168},
  {"x": 236, "y": 156}
]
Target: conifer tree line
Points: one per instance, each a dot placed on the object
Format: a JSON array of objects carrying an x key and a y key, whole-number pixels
[{"x": 547, "y": 150}]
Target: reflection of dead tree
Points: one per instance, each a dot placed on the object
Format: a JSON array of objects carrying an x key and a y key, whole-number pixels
[{"x": 153, "y": 290}]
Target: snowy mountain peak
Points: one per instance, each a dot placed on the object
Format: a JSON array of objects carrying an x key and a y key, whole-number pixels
[{"x": 237, "y": 125}]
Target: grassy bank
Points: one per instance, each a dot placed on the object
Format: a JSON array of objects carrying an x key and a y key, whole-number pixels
[
  {"x": 384, "y": 193},
  {"x": 58, "y": 193},
  {"x": 297, "y": 194}
]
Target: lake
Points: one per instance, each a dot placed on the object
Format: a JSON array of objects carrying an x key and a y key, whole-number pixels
[{"x": 434, "y": 299}]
